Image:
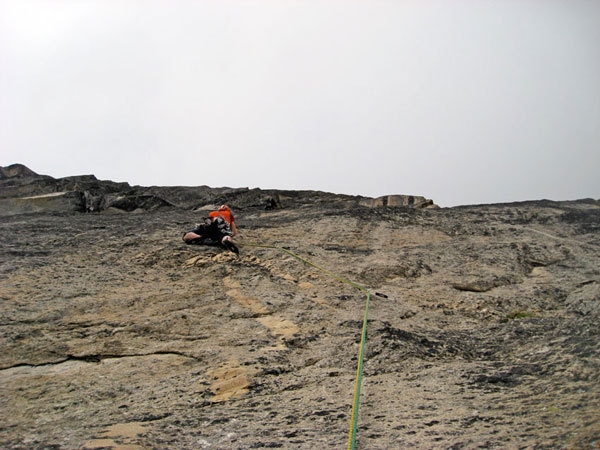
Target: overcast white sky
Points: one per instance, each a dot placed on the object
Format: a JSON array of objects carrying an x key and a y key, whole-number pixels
[{"x": 462, "y": 101}]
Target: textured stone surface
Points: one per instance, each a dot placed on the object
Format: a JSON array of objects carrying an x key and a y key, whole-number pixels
[{"x": 484, "y": 332}]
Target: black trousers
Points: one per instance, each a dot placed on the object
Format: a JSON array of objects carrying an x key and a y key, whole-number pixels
[{"x": 211, "y": 233}]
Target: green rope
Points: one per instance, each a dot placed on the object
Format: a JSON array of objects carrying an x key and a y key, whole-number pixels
[
  {"x": 359, "y": 374},
  {"x": 363, "y": 339}
]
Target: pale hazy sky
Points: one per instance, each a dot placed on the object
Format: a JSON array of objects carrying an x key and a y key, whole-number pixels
[{"x": 462, "y": 101}]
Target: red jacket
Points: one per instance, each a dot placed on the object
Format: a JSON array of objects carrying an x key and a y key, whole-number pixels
[{"x": 227, "y": 216}]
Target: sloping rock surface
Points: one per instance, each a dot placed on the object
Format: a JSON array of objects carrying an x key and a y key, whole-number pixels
[{"x": 483, "y": 331}]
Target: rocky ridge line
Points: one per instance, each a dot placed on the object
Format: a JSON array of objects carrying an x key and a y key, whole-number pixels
[{"x": 24, "y": 191}]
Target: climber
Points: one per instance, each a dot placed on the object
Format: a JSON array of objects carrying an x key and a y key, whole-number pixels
[{"x": 217, "y": 229}]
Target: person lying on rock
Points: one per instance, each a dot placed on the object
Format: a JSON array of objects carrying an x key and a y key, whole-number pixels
[{"x": 217, "y": 229}]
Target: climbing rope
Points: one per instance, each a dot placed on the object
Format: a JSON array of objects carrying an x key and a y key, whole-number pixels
[
  {"x": 359, "y": 375},
  {"x": 363, "y": 339}
]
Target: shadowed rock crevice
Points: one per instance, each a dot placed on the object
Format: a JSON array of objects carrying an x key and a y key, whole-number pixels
[{"x": 93, "y": 358}]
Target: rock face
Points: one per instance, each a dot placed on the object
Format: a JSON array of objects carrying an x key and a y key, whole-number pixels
[{"x": 483, "y": 331}]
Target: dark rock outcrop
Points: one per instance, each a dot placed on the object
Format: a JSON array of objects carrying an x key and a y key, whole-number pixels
[
  {"x": 16, "y": 171},
  {"x": 24, "y": 191}
]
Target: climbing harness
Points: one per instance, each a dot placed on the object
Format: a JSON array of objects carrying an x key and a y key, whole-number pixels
[{"x": 363, "y": 339}]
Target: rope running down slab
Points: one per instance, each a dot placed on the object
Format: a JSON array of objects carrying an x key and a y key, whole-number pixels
[{"x": 363, "y": 339}]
